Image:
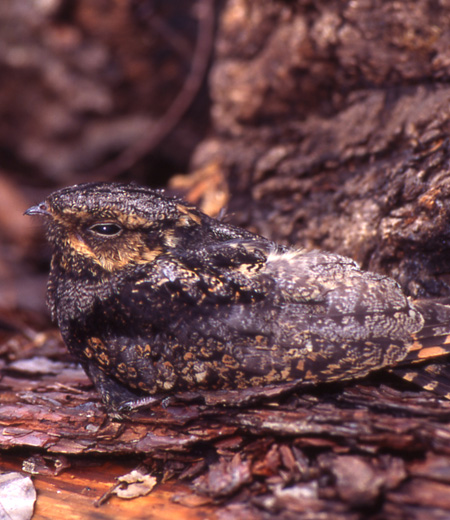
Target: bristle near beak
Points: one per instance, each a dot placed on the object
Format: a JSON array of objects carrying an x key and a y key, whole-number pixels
[{"x": 40, "y": 210}]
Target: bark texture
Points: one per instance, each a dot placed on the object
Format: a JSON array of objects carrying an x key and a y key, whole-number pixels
[{"x": 331, "y": 130}]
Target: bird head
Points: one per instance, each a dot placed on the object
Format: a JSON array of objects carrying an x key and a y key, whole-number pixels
[{"x": 109, "y": 226}]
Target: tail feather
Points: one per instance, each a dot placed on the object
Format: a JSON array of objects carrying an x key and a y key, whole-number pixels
[
  {"x": 434, "y": 377},
  {"x": 426, "y": 348},
  {"x": 435, "y": 312},
  {"x": 433, "y": 339},
  {"x": 431, "y": 342}
]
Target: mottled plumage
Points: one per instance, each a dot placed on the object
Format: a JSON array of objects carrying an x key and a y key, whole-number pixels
[{"x": 155, "y": 298}]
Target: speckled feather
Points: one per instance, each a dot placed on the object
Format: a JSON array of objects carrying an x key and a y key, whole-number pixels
[{"x": 156, "y": 298}]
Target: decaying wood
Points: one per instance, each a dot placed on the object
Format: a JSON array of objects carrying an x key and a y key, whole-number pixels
[{"x": 72, "y": 494}]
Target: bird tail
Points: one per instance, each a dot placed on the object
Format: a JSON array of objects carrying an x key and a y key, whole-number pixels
[{"x": 430, "y": 348}]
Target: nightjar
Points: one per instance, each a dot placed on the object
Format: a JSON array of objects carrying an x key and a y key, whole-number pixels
[{"x": 156, "y": 299}]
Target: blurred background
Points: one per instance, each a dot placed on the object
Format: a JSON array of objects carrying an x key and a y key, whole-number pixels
[
  {"x": 317, "y": 124},
  {"x": 92, "y": 90}
]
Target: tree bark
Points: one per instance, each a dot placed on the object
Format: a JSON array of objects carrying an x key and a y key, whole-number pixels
[{"x": 331, "y": 130}]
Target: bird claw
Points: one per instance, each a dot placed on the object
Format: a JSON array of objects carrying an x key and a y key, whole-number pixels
[{"x": 142, "y": 402}]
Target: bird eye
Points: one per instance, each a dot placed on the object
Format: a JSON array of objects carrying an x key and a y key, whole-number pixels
[{"x": 108, "y": 229}]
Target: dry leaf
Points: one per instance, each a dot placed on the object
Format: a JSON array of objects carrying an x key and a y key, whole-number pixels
[
  {"x": 134, "y": 484},
  {"x": 17, "y": 496}
]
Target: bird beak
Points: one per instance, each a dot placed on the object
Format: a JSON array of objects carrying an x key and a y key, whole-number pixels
[{"x": 40, "y": 210}]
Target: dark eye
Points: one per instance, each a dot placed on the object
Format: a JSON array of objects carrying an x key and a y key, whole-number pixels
[{"x": 108, "y": 229}]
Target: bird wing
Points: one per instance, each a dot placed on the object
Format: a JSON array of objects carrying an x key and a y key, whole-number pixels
[
  {"x": 278, "y": 315},
  {"x": 250, "y": 315}
]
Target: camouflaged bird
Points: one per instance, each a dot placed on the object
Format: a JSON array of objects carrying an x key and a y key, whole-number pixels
[{"x": 155, "y": 298}]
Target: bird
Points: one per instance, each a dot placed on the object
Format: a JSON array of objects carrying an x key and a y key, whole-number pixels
[{"x": 157, "y": 299}]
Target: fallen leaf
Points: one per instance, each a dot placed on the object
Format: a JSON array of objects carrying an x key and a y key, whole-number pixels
[{"x": 17, "y": 496}]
